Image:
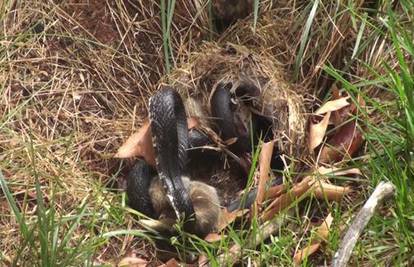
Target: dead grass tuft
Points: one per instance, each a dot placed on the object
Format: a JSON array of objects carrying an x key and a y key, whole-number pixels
[
  {"x": 76, "y": 76},
  {"x": 75, "y": 79}
]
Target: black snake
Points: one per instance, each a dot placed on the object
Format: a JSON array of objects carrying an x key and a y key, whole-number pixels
[{"x": 171, "y": 140}]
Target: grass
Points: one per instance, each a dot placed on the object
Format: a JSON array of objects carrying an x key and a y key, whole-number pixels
[
  {"x": 69, "y": 96},
  {"x": 389, "y": 239},
  {"x": 167, "y": 12}
]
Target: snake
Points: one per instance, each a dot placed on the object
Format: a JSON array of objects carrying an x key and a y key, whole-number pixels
[{"x": 171, "y": 140}]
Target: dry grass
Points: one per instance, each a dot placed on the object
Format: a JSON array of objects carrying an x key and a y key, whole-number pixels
[
  {"x": 74, "y": 83},
  {"x": 70, "y": 94}
]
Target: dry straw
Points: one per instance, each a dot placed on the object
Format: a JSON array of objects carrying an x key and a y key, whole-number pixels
[
  {"x": 279, "y": 100},
  {"x": 74, "y": 91}
]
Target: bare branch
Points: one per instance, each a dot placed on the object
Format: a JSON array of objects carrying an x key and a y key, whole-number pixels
[{"x": 381, "y": 192}]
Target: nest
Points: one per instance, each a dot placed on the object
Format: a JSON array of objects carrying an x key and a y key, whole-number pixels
[{"x": 279, "y": 100}]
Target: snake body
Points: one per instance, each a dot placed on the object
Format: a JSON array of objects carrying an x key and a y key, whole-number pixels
[
  {"x": 170, "y": 138},
  {"x": 170, "y": 194}
]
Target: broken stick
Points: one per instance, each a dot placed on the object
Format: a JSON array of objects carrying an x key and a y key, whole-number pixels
[{"x": 381, "y": 192}]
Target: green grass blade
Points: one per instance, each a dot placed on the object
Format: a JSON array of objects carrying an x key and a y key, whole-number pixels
[
  {"x": 255, "y": 14},
  {"x": 13, "y": 205},
  {"x": 304, "y": 39}
]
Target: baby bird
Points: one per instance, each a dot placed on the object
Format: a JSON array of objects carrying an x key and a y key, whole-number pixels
[
  {"x": 205, "y": 201},
  {"x": 147, "y": 195}
]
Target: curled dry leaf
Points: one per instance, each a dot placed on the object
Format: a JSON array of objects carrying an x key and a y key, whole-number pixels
[
  {"x": 347, "y": 141},
  {"x": 323, "y": 190},
  {"x": 265, "y": 159},
  {"x": 288, "y": 198},
  {"x": 139, "y": 144},
  {"x": 132, "y": 262},
  {"x": 333, "y": 105},
  {"x": 322, "y": 234},
  {"x": 317, "y": 131}
]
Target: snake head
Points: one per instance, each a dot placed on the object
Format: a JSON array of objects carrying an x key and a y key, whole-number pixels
[
  {"x": 231, "y": 117},
  {"x": 170, "y": 138}
]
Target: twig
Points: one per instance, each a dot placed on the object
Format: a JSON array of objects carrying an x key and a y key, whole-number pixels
[{"x": 381, "y": 192}]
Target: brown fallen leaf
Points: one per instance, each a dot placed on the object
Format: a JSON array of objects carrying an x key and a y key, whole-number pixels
[
  {"x": 317, "y": 131},
  {"x": 338, "y": 171},
  {"x": 287, "y": 198},
  {"x": 227, "y": 218},
  {"x": 322, "y": 233},
  {"x": 274, "y": 191},
  {"x": 345, "y": 142},
  {"x": 202, "y": 260},
  {"x": 302, "y": 254},
  {"x": 333, "y": 105},
  {"x": 264, "y": 168},
  {"x": 341, "y": 115},
  {"x": 323, "y": 190},
  {"x": 132, "y": 262},
  {"x": 140, "y": 144},
  {"x": 171, "y": 263},
  {"x": 213, "y": 237}
]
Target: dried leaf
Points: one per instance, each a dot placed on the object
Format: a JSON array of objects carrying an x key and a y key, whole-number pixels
[
  {"x": 336, "y": 94},
  {"x": 341, "y": 115},
  {"x": 323, "y": 190},
  {"x": 339, "y": 172},
  {"x": 317, "y": 131},
  {"x": 213, "y": 237},
  {"x": 287, "y": 198},
  {"x": 202, "y": 260},
  {"x": 132, "y": 262},
  {"x": 171, "y": 263},
  {"x": 302, "y": 254},
  {"x": 140, "y": 144},
  {"x": 227, "y": 218},
  {"x": 265, "y": 159},
  {"x": 333, "y": 105},
  {"x": 274, "y": 191},
  {"x": 323, "y": 229},
  {"x": 347, "y": 141},
  {"x": 322, "y": 232}
]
